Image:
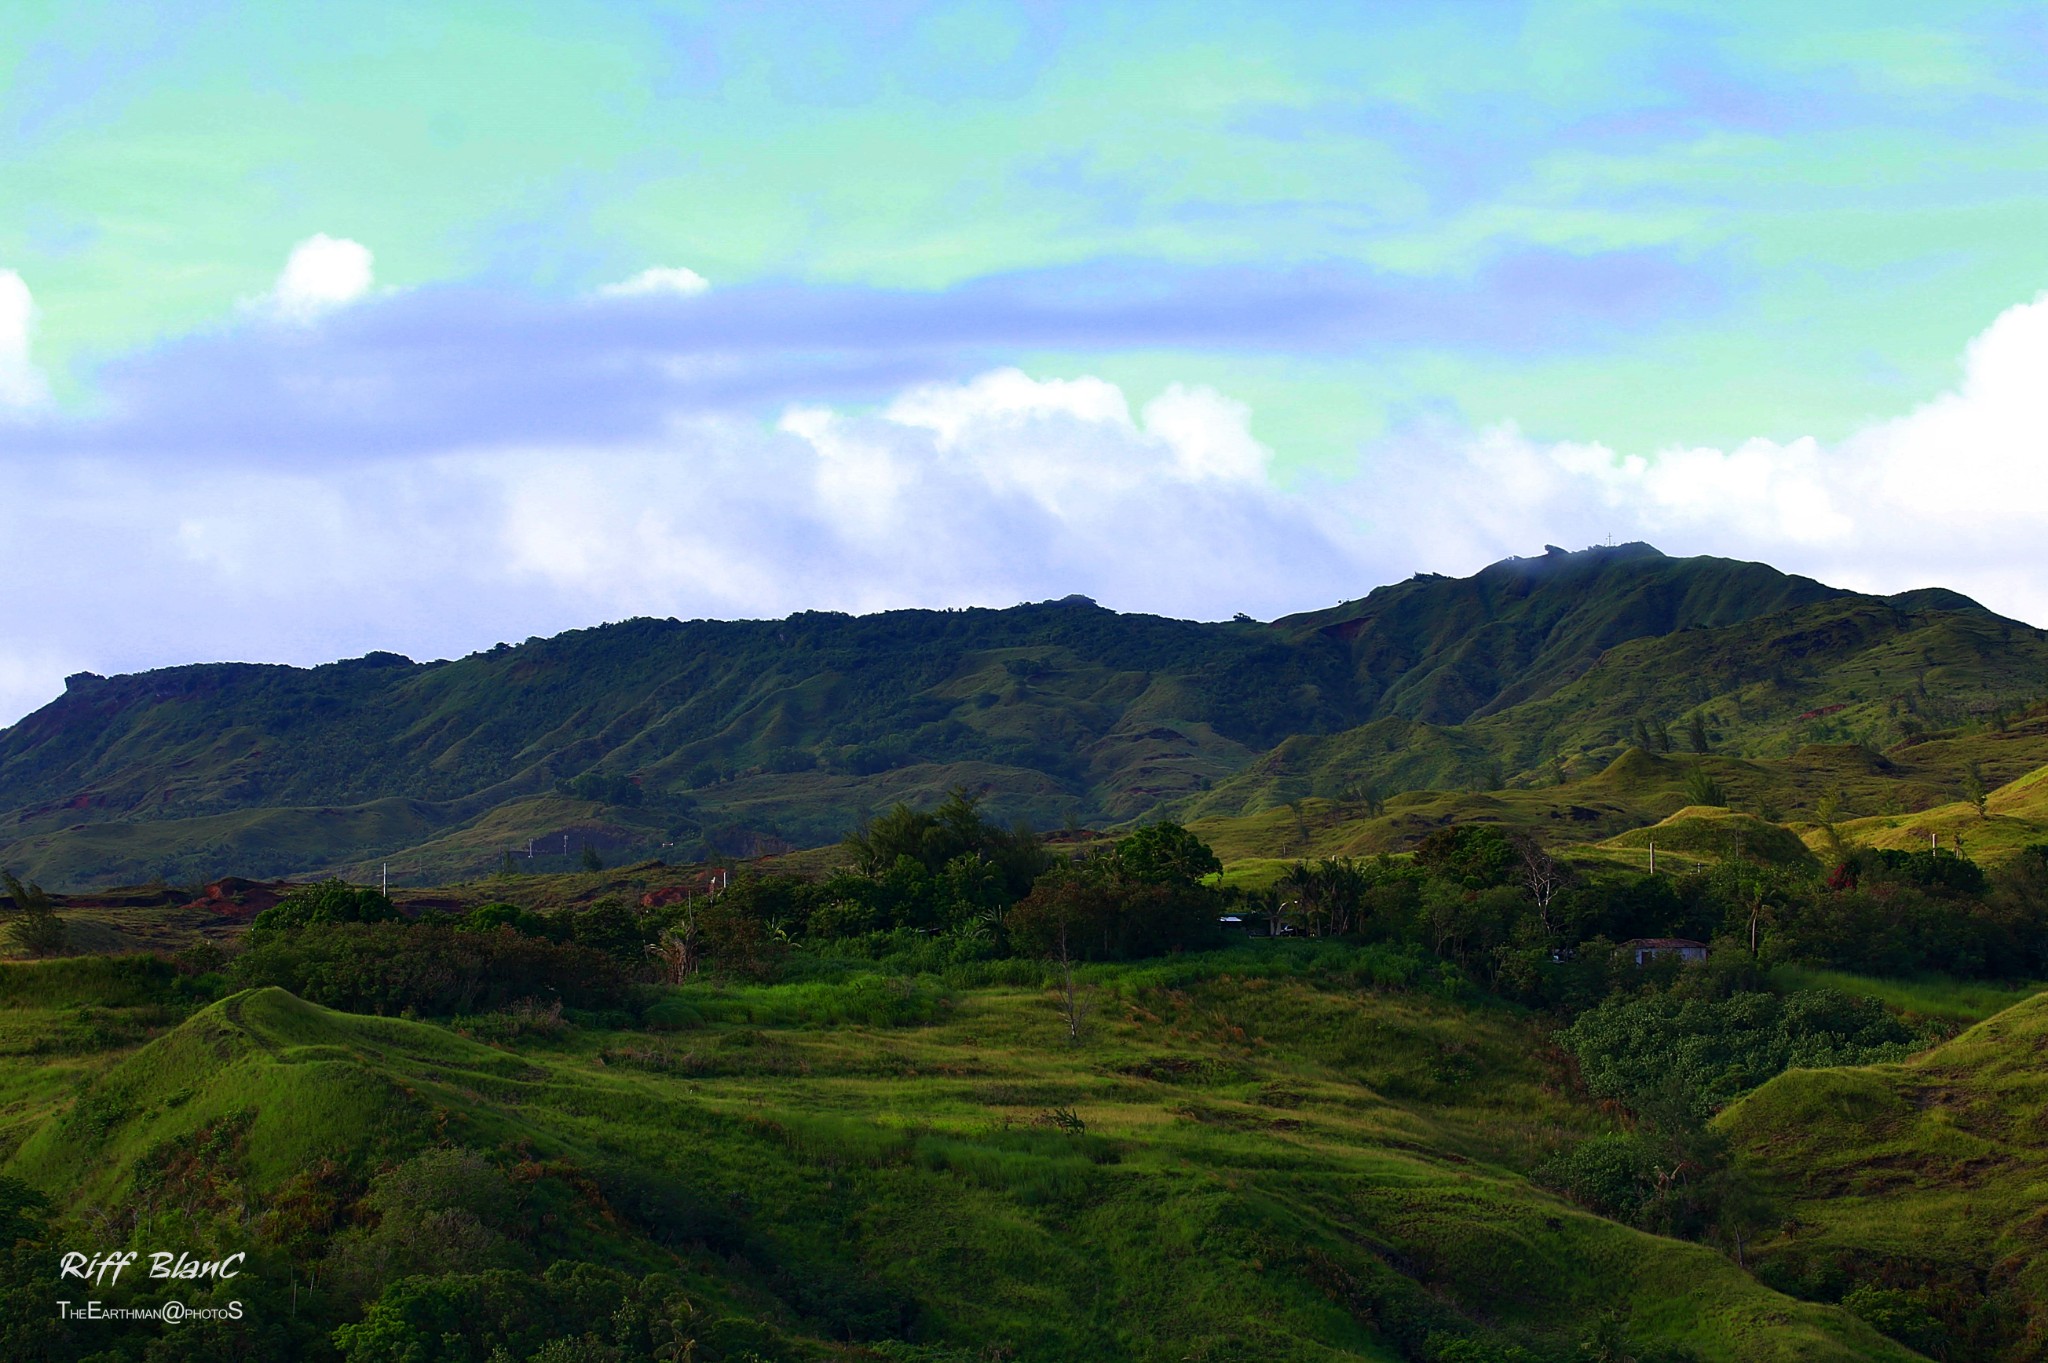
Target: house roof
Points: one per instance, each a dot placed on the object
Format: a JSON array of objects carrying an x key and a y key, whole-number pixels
[{"x": 1666, "y": 943}]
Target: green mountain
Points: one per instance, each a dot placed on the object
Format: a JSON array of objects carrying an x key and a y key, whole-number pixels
[{"x": 679, "y": 739}]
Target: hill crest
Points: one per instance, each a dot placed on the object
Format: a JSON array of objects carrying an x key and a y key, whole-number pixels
[{"x": 703, "y": 737}]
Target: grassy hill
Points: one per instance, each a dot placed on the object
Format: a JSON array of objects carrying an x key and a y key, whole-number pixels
[
  {"x": 1300, "y": 1153},
  {"x": 1915, "y": 1191},
  {"x": 710, "y": 738}
]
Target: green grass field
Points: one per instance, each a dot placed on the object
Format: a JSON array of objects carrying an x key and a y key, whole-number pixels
[{"x": 1252, "y": 1154}]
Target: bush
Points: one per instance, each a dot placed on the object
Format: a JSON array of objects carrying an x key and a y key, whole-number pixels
[
  {"x": 1944, "y": 873},
  {"x": 1615, "y": 1174},
  {"x": 1902, "y": 927},
  {"x": 574, "y": 1311},
  {"x": 1103, "y": 919},
  {"x": 38, "y": 931},
  {"x": 1700, "y": 1054},
  {"x": 331, "y": 901},
  {"x": 1470, "y": 856},
  {"x": 104, "y": 981},
  {"x": 492, "y": 916},
  {"x": 431, "y": 968}
]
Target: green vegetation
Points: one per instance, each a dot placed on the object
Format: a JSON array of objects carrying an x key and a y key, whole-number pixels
[
  {"x": 1554, "y": 685},
  {"x": 753, "y": 1019},
  {"x": 1912, "y": 1192},
  {"x": 1249, "y": 1154},
  {"x": 36, "y": 929},
  {"x": 967, "y": 1091}
]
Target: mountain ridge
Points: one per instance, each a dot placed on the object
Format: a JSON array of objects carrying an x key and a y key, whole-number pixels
[{"x": 715, "y": 736}]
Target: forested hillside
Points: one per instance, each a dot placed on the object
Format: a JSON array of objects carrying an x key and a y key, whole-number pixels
[{"x": 729, "y": 738}]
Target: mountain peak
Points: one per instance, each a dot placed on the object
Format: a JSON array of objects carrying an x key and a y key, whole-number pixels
[{"x": 1553, "y": 559}]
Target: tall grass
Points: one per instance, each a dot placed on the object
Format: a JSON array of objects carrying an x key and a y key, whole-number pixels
[
  {"x": 871, "y": 999},
  {"x": 103, "y": 981},
  {"x": 1932, "y": 996}
]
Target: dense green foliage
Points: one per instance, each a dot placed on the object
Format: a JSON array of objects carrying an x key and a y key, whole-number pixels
[
  {"x": 1699, "y": 1053},
  {"x": 331, "y": 901},
  {"x": 726, "y": 738},
  {"x": 429, "y": 968},
  {"x": 1288, "y": 1151}
]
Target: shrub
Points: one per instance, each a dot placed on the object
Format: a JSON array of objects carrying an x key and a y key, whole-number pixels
[
  {"x": 1471, "y": 856},
  {"x": 331, "y": 901},
  {"x": 1614, "y": 1173},
  {"x": 430, "y": 968},
  {"x": 1701, "y": 1054}
]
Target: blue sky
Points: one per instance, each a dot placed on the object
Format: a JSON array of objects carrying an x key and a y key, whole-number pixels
[{"x": 333, "y": 328}]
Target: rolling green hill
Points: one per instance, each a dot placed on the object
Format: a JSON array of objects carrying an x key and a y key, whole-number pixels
[
  {"x": 681, "y": 739},
  {"x": 1914, "y": 1191},
  {"x": 1261, "y": 1155}
]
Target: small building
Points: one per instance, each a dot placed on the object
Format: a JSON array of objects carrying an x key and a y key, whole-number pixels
[{"x": 1647, "y": 949}]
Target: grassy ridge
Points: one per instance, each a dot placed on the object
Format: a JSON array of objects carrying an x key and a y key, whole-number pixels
[
  {"x": 1254, "y": 1161},
  {"x": 1921, "y": 1183}
]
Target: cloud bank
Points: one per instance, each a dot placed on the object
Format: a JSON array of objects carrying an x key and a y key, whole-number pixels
[
  {"x": 430, "y": 369},
  {"x": 1953, "y": 493},
  {"x": 404, "y": 474}
]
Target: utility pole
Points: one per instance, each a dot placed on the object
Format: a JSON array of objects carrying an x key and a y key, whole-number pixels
[
  {"x": 387, "y": 880},
  {"x": 1653, "y": 856}
]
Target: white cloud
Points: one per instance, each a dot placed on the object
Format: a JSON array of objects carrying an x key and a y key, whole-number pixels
[
  {"x": 658, "y": 280},
  {"x": 321, "y": 274},
  {"x": 1210, "y": 435},
  {"x": 1069, "y": 443},
  {"x": 21, "y": 384},
  {"x": 1954, "y": 493},
  {"x": 993, "y": 491}
]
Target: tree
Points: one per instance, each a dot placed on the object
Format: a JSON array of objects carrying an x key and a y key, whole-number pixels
[
  {"x": 1542, "y": 877},
  {"x": 1063, "y": 913},
  {"x": 38, "y": 931},
  {"x": 675, "y": 951},
  {"x": 1825, "y": 810},
  {"x": 1703, "y": 789},
  {"x": 330, "y": 901},
  {"x": 1758, "y": 894},
  {"x": 1974, "y": 788},
  {"x": 1297, "y": 890},
  {"x": 1474, "y": 856},
  {"x": 591, "y": 860},
  {"x": 1364, "y": 791},
  {"x": 1696, "y": 734},
  {"x": 1164, "y": 854},
  {"x": 936, "y": 838},
  {"x": 1073, "y": 1003},
  {"x": 1326, "y": 896}
]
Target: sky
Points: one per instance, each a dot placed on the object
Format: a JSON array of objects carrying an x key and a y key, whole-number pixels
[{"x": 334, "y": 328}]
